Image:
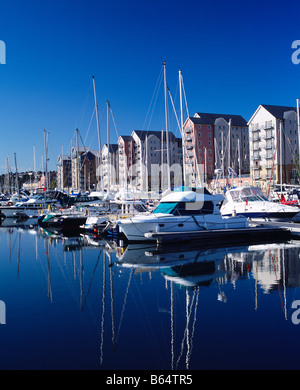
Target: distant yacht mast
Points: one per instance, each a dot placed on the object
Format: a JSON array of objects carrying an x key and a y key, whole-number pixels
[
  {"x": 99, "y": 138},
  {"x": 167, "y": 128}
]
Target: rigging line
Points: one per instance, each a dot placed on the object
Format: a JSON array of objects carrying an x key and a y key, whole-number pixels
[
  {"x": 183, "y": 137},
  {"x": 93, "y": 113},
  {"x": 124, "y": 304},
  {"x": 92, "y": 278},
  {"x": 85, "y": 157},
  {"x": 84, "y": 107},
  {"x": 188, "y": 357},
  {"x": 184, "y": 95},
  {"x": 114, "y": 122},
  {"x": 155, "y": 93},
  {"x": 103, "y": 310},
  {"x": 186, "y": 331}
]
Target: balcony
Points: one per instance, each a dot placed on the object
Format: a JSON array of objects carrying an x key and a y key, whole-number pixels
[
  {"x": 188, "y": 130},
  {"x": 268, "y": 136}
]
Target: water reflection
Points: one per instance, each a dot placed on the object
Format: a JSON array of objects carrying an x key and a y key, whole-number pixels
[{"x": 174, "y": 294}]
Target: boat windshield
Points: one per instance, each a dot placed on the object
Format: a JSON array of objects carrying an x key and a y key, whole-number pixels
[
  {"x": 165, "y": 208},
  {"x": 185, "y": 208},
  {"x": 251, "y": 194}
]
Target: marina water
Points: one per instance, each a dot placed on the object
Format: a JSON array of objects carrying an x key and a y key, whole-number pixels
[{"x": 85, "y": 303}]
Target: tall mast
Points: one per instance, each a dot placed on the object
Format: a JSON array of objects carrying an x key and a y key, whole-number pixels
[
  {"x": 181, "y": 124},
  {"x": 46, "y": 159},
  {"x": 72, "y": 169},
  {"x": 8, "y": 178},
  {"x": 229, "y": 143},
  {"x": 17, "y": 178},
  {"x": 167, "y": 126},
  {"x": 62, "y": 167},
  {"x": 99, "y": 138},
  {"x": 146, "y": 165},
  {"x": 108, "y": 147},
  {"x": 298, "y": 128},
  {"x": 239, "y": 153},
  {"x": 280, "y": 154},
  {"x": 162, "y": 160},
  {"x": 77, "y": 176},
  {"x": 34, "y": 164}
]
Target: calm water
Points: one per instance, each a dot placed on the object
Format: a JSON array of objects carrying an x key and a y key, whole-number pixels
[{"x": 75, "y": 304}]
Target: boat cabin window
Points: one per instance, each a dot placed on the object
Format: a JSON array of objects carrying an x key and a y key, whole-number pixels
[
  {"x": 140, "y": 208},
  {"x": 185, "y": 208}
]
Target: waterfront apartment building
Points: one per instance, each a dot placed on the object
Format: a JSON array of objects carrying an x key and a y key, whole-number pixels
[
  {"x": 64, "y": 176},
  {"x": 110, "y": 166},
  {"x": 150, "y": 160},
  {"x": 216, "y": 141},
  {"x": 273, "y": 132},
  {"x": 126, "y": 159},
  {"x": 84, "y": 163}
]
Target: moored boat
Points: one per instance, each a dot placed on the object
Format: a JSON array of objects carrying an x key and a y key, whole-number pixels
[
  {"x": 182, "y": 210},
  {"x": 250, "y": 202}
]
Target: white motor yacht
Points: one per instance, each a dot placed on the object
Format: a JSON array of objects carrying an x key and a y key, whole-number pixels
[
  {"x": 28, "y": 209},
  {"x": 187, "y": 210},
  {"x": 251, "y": 203}
]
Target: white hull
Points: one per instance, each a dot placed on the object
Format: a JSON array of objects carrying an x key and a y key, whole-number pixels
[{"x": 136, "y": 228}]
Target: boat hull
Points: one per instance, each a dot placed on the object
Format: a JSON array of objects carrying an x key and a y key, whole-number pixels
[{"x": 136, "y": 229}]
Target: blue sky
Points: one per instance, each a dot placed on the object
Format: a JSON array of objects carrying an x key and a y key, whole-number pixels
[{"x": 234, "y": 55}]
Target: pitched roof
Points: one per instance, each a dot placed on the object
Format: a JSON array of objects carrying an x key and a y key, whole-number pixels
[
  {"x": 112, "y": 147},
  {"x": 278, "y": 111},
  {"x": 142, "y": 134},
  {"x": 209, "y": 119},
  {"x": 126, "y": 137}
]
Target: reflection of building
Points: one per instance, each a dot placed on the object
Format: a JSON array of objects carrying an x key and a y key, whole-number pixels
[
  {"x": 64, "y": 176},
  {"x": 110, "y": 167},
  {"x": 272, "y": 266},
  {"x": 273, "y": 144}
]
